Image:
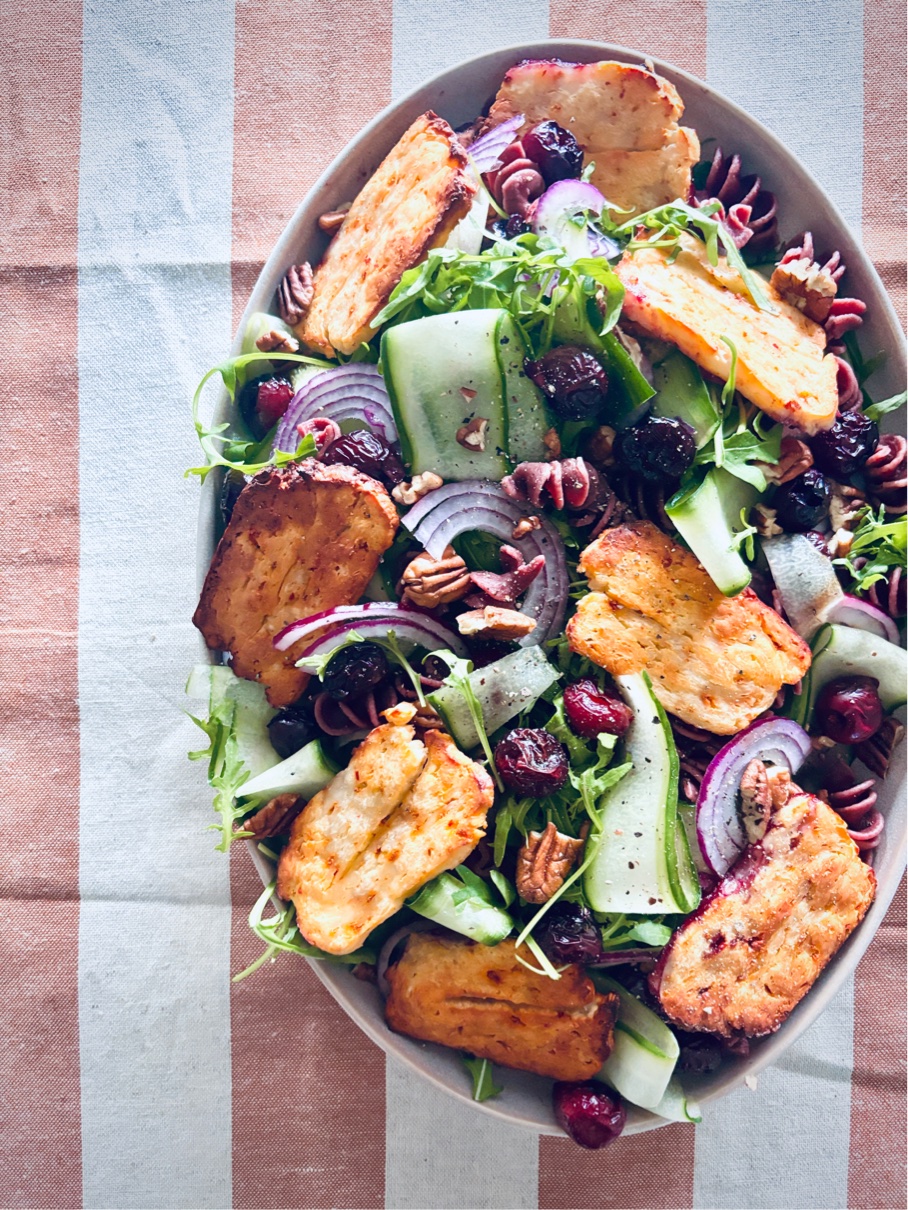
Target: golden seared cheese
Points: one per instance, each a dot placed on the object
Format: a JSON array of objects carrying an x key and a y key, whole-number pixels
[
  {"x": 300, "y": 539},
  {"x": 421, "y": 190},
  {"x": 401, "y": 812},
  {"x": 758, "y": 944},
  {"x": 480, "y": 999},
  {"x": 715, "y": 661},
  {"x": 782, "y": 367},
  {"x": 624, "y": 117}
]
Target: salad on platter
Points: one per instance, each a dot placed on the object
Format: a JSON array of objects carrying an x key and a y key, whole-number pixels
[{"x": 557, "y": 611}]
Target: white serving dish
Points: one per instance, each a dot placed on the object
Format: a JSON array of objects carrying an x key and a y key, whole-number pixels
[{"x": 458, "y": 95}]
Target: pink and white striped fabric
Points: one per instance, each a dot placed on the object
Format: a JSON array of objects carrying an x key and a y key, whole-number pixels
[{"x": 151, "y": 154}]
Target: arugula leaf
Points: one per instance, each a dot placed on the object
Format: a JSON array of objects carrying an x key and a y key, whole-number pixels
[
  {"x": 579, "y": 750},
  {"x": 226, "y": 771},
  {"x": 878, "y": 546},
  {"x": 743, "y": 540},
  {"x": 621, "y": 931},
  {"x": 247, "y": 457},
  {"x": 484, "y": 1085},
  {"x": 593, "y": 782},
  {"x": 892, "y": 404}
]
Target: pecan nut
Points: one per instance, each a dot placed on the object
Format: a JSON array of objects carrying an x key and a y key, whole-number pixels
[
  {"x": 781, "y": 787},
  {"x": 275, "y": 341},
  {"x": 756, "y": 801},
  {"x": 472, "y": 436},
  {"x": 794, "y": 459},
  {"x": 845, "y": 504},
  {"x": 806, "y": 285},
  {"x": 763, "y": 518},
  {"x": 275, "y": 817},
  {"x": 492, "y": 622},
  {"x": 421, "y": 485},
  {"x": 332, "y": 220},
  {"x": 429, "y": 582},
  {"x": 295, "y": 293},
  {"x": 543, "y": 863}
]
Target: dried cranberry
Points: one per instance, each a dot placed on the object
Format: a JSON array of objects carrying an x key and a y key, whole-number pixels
[
  {"x": 368, "y": 453},
  {"x": 292, "y": 729},
  {"x": 801, "y": 504},
  {"x": 591, "y": 710},
  {"x": 572, "y": 380},
  {"x": 568, "y": 933},
  {"x": 355, "y": 669},
  {"x": 849, "y": 709},
  {"x": 263, "y": 401},
  {"x": 844, "y": 448},
  {"x": 592, "y": 1116},
  {"x": 515, "y": 226},
  {"x": 700, "y": 1053},
  {"x": 531, "y": 762},
  {"x": 661, "y": 448},
  {"x": 554, "y": 151}
]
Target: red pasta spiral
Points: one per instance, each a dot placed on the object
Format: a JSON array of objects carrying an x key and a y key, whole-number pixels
[
  {"x": 857, "y": 807},
  {"x": 876, "y": 752},
  {"x": 845, "y": 315},
  {"x": 696, "y": 750},
  {"x": 517, "y": 182},
  {"x": 851, "y": 397},
  {"x": 749, "y": 210},
  {"x": 887, "y": 473}
]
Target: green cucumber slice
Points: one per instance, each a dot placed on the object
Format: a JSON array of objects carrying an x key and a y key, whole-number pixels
[
  {"x": 444, "y": 901},
  {"x": 443, "y": 371},
  {"x": 502, "y": 689},
  {"x": 626, "y": 406},
  {"x": 305, "y": 773},
  {"x": 676, "y": 1105},
  {"x": 847, "y": 651},
  {"x": 645, "y": 1050},
  {"x": 642, "y": 863},
  {"x": 708, "y": 517},
  {"x": 258, "y": 323},
  {"x": 528, "y": 421},
  {"x": 682, "y": 394}
]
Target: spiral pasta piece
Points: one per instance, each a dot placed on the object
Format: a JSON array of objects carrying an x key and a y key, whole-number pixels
[
  {"x": 725, "y": 183},
  {"x": 887, "y": 473}
]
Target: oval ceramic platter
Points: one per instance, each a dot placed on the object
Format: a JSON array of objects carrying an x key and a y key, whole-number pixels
[{"x": 458, "y": 95}]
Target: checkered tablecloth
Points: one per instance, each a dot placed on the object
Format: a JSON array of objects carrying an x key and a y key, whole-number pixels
[{"x": 151, "y": 153}]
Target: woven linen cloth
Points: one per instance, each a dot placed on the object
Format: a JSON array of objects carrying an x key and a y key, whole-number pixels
[{"x": 151, "y": 154}]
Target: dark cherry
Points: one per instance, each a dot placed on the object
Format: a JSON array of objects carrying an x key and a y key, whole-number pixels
[
  {"x": 355, "y": 669},
  {"x": 568, "y": 933},
  {"x": 368, "y": 453},
  {"x": 801, "y": 504},
  {"x": 849, "y": 709},
  {"x": 844, "y": 448},
  {"x": 591, "y": 710},
  {"x": 658, "y": 449},
  {"x": 572, "y": 380},
  {"x": 554, "y": 151},
  {"x": 263, "y": 401},
  {"x": 531, "y": 762},
  {"x": 292, "y": 729},
  {"x": 591, "y": 1115}
]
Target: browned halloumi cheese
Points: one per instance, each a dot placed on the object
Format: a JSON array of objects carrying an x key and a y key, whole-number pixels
[
  {"x": 624, "y": 117},
  {"x": 715, "y": 661},
  {"x": 782, "y": 367},
  {"x": 401, "y": 812},
  {"x": 418, "y": 194},
  {"x": 757, "y": 945},
  {"x": 480, "y": 999},
  {"x": 300, "y": 540}
]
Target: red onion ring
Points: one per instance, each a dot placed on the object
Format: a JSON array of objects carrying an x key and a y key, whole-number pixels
[
  {"x": 349, "y": 392},
  {"x": 719, "y": 829},
  {"x": 863, "y": 615},
  {"x": 407, "y": 629},
  {"x": 485, "y": 152},
  {"x": 555, "y": 214},
  {"x": 358, "y": 616}
]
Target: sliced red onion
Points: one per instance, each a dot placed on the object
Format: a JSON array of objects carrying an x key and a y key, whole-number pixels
[
  {"x": 852, "y": 611},
  {"x": 350, "y": 392},
  {"x": 557, "y": 213},
  {"x": 485, "y": 151},
  {"x": 451, "y": 510},
  {"x": 374, "y": 618},
  {"x": 387, "y": 950},
  {"x": 777, "y": 741}
]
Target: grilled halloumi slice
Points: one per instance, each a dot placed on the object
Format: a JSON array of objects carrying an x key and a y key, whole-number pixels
[
  {"x": 781, "y": 368},
  {"x": 624, "y": 117},
  {"x": 479, "y": 998},
  {"x": 716, "y": 662},
  {"x": 758, "y": 944},
  {"x": 412, "y": 202},
  {"x": 300, "y": 540},
  {"x": 402, "y": 811}
]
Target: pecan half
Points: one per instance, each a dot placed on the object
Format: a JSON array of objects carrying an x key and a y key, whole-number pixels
[
  {"x": 844, "y": 505},
  {"x": 472, "y": 436},
  {"x": 333, "y": 219},
  {"x": 794, "y": 459},
  {"x": 600, "y": 446},
  {"x": 763, "y": 518},
  {"x": 421, "y": 485},
  {"x": 275, "y": 817},
  {"x": 543, "y": 863},
  {"x": 552, "y": 443},
  {"x": 491, "y": 622},
  {"x": 277, "y": 342},
  {"x": 781, "y": 787},
  {"x": 294, "y": 295},
  {"x": 756, "y": 800},
  {"x": 806, "y": 285},
  {"x": 525, "y": 526},
  {"x": 429, "y": 582}
]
